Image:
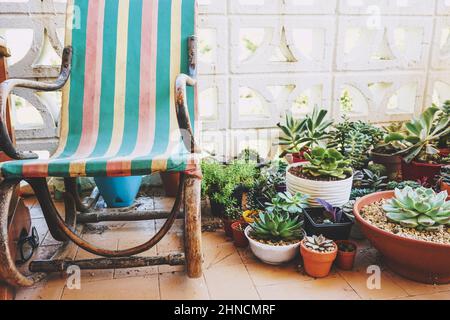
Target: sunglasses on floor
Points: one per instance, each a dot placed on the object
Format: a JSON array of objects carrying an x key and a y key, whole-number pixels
[{"x": 27, "y": 245}]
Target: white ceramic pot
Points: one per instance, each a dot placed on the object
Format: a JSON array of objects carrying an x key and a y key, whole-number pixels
[
  {"x": 272, "y": 254},
  {"x": 336, "y": 193}
]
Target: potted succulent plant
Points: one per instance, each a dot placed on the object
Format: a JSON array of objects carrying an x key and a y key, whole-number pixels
[
  {"x": 299, "y": 136},
  {"x": 386, "y": 152},
  {"x": 346, "y": 254},
  {"x": 410, "y": 227},
  {"x": 445, "y": 179},
  {"x": 326, "y": 176},
  {"x": 287, "y": 202},
  {"x": 318, "y": 255},
  {"x": 328, "y": 220},
  {"x": 275, "y": 237},
  {"x": 238, "y": 229},
  {"x": 423, "y": 158}
]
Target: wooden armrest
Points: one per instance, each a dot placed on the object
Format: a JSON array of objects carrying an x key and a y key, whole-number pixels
[{"x": 4, "y": 50}]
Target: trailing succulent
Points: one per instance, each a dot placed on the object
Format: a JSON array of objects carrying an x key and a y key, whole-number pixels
[
  {"x": 287, "y": 202},
  {"x": 276, "y": 227},
  {"x": 333, "y": 214},
  {"x": 422, "y": 208},
  {"x": 319, "y": 244},
  {"x": 327, "y": 163}
]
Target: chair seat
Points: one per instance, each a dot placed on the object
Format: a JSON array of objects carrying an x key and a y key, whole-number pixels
[{"x": 99, "y": 166}]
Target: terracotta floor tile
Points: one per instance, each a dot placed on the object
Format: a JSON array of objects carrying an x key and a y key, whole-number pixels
[
  {"x": 36, "y": 212},
  {"x": 331, "y": 288},
  {"x": 224, "y": 254},
  {"x": 139, "y": 288},
  {"x": 96, "y": 275},
  {"x": 415, "y": 288},
  {"x": 436, "y": 296},
  {"x": 51, "y": 289},
  {"x": 358, "y": 278},
  {"x": 163, "y": 203},
  {"x": 263, "y": 274},
  {"x": 177, "y": 286},
  {"x": 41, "y": 227},
  {"x": 229, "y": 283},
  {"x": 135, "y": 272}
]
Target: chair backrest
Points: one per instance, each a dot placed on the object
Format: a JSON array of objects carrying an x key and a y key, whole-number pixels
[{"x": 126, "y": 56}]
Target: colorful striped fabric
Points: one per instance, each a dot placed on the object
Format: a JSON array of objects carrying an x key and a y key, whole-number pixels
[{"x": 118, "y": 115}]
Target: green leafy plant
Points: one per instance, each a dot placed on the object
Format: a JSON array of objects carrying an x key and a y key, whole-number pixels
[
  {"x": 277, "y": 226},
  {"x": 327, "y": 163},
  {"x": 423, "y": 134},
  {"x": 422, "y": 208},
  {"x": 287, "y": 202},
  {"x": 444, "y": 141},
  {"x": 360, "y": 192},
  {"x": 291, "y": 138},
  {"x": 319, "y": 244},
  {"x": 221, "y": 181}
]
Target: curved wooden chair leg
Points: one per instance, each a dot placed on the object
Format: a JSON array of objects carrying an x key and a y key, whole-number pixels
[
  {"x": 193, "y": 227},
  {"x": 41, "y": 190},
  {"x": 81, "y": 206},
  {"x": 8, "y": 270}
]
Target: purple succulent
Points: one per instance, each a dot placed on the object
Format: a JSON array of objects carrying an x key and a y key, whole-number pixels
[{"x": 335, "y": 213}]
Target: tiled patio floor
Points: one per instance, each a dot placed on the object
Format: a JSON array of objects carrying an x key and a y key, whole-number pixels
[{"x": 229, "y": 273}]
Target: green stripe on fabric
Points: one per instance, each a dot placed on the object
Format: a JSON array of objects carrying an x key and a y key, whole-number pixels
[
  {"x": 133, "y": 78},
  {"x": 76, "y": 96},
  {"x": 106, "y": 118},
  {"x": 163, "y": 87}
]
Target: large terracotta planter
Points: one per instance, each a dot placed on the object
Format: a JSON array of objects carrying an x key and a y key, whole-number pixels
[
  {"x": 337, "y": 193},
  {"x": 417, "y": 260},
  {"x": 417, "y": 170},
  {"x": 317, "y": 264},
  {"x": 392, "y": 163}
]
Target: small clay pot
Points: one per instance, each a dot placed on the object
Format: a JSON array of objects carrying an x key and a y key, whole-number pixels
[
  {"x": 240, "y": 240},
  {"x": 346, "y": 260},
  {"x": 227, "y": 226},
  {"x": 317, "y": 264},
  {"x": 392, "y": 163},
  {"x": 415, "y": 171},
  {"x": 445, "y": 187}
]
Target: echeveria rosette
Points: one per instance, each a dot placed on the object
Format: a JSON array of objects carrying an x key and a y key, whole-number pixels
[
  {"x": 327, "y": 163},
  {"x": 422, "y": 208},
  {"x": 276, "y": 226}
]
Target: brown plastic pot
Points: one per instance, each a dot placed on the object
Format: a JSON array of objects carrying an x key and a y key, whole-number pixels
[
  {"x": 392, "y": 163},
  {"x": 417, "y": 260},
  {"x": 316, "y": 264},
  {"x": 346, "y": 260},
  {"x": 240, "y": 240},
  {"x": 171, "y": 181}
]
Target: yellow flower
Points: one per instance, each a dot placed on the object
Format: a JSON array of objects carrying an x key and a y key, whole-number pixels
[{"x": 249, "y": 215}]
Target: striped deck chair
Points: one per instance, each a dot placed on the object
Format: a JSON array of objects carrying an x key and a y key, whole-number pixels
[{"x": 128, "y": 85}]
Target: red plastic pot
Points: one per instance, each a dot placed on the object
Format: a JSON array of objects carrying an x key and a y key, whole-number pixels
[
  {"x": 346, "y": 260},
  {"x": 417, "y": 170},
  {"x": 417, "y": 260},
  {"x": 317, "y": 264},
  {"x": 299, "y": 157},
  {"x": 227, "y": 226},
  {"x": 240, "y": 240}
]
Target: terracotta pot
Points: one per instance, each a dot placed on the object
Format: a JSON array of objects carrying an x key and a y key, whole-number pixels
[
  {"x": 171, "y": 181},
  {"x": 316, "y": 264},
  {"x": 445, "y": 187},
  {"x": 417, "y": 260},
  {"x": 392, "y": 163},
  {"x": 227, "y": 226},
  {"x": 416, "y": 171},
  {"x": 346, "y": 260},
  {"x": 239, "y": 237}
]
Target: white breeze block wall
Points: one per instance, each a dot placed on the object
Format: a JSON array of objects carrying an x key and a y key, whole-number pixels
[{"x": 374, "y": 60}]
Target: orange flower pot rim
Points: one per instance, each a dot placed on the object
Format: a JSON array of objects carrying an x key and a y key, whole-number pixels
[
  {"x": 319, "y": 253},
  {"x": 387, "y": 195}
]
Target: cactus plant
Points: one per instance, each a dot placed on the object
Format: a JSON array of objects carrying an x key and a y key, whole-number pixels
[
  {"x": 422, "y": 208},
  {"x": 327, "y": 164},
  {"x": 276, "y": 227},
  {"x": 319, "y": 244}
]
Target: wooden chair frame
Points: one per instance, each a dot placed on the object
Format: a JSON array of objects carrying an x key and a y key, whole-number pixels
[{"x": 64, "y": 230}]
